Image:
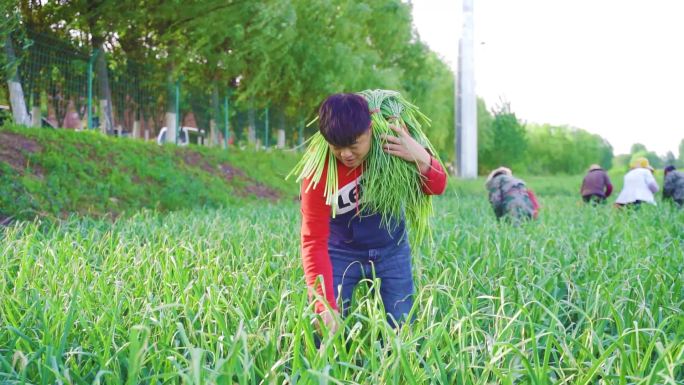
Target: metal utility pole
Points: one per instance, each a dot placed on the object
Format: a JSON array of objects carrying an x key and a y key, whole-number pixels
[{"x": 466, "y": 102}]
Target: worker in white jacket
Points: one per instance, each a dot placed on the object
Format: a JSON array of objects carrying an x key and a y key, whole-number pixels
[{"x": 639, "y": 185}]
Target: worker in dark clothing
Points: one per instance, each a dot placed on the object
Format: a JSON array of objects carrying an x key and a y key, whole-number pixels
[
  {"x": 673, "y": 186},
  {"x": 596, "y": 186}
]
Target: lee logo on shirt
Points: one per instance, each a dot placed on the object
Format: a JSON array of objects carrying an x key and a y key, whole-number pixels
[{"x": 347, "y": 197}]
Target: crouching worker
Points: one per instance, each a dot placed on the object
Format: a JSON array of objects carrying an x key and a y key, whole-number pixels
[
  {"x": 639, "y": 185},
  {"x": 596, "y": 186},
  {"x": 673, "y": 186},
  {"x": 510, "y": 198},
  {"x": 342, "y": 241}
]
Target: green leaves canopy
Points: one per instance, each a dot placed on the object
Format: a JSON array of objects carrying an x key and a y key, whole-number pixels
[{"x": 288, "y": 54}]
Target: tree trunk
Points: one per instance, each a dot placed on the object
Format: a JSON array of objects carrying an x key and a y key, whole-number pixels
[
  {"x": 136, "y": 129},
  {"x": 251, "y": 129},
  {"x": 56, "y": 98},
  {"x": 51, "y": 114},
  {"x": 71, "y": 118},
  {"x": 17, "y": 100},
  {"x": 281, "y": 138},
  {"x": 137, "y": 117},
  {"x": 212, "y": 141},
  {"x": 281, "y": 130},
  {"x": 215, "y": 116},
  {"x": 171, "y": 114},
  {"x": 105, "y": 93},
  {"x": 147, "y": 126},
  {"x": 35, "y": 109}
]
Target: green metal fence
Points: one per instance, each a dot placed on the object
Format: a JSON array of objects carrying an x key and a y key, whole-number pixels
[{"x": 62, "y": 89}]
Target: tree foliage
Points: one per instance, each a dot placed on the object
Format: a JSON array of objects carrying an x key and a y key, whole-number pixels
[
  {"x": 639, "y": 150},
  {"x": 533, "y": 148},
  {"x": 567, "y": 150},
  {"x": 503, "y": 137},
  {"x": 290, "y": 54},
  {"x": 287, "y": 54}
]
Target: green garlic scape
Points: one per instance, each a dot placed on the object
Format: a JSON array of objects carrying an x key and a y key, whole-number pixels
[{"x": 390, "y": 184}]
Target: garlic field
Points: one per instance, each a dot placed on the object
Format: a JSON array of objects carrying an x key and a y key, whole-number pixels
[{"x": 585, "y": 295}]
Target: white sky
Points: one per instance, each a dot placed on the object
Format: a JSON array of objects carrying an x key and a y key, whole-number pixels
[{"x": 611, "y": 67}]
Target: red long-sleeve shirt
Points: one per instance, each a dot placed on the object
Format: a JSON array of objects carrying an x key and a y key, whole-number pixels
[
  {"x": 535, "y": 203},
  {"x": 347, "y": 228}
]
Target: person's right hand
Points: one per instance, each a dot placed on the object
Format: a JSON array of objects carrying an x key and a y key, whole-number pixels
[{"x": 331, "y": 321}]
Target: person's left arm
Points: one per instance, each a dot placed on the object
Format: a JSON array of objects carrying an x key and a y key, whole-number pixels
[
  {"x": 609, "y": 185},
  {"x": 407, "y": 148},
  {"x": 651, "y": 182},
  {"x": 535, "y": 203}
]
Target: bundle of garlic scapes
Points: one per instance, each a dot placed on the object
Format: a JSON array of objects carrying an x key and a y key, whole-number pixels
[{"x": 391, "y": 185}]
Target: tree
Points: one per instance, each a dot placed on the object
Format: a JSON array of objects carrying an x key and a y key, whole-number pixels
[
  {"x": 568, "y": 150},
  {"x": 669, "y": 159},
  {"x": 639, "y": 150},
  {"x": 637, "y": 147},
  {"x": 287, "y": 55},
  {"x": 429, "y": 83},
  {"x": 653, "y": 159},
  {"x": 507, "y": 140},
  {"x": 621, "y": 162},
  {"x": 101, "y": 20},
  {"x": 485, "y": 137},
  {"x": 9, "y": 63}
]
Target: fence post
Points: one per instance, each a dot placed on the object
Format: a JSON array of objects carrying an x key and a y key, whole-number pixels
[
  {"x": 215, "y": 116},
  {"x": 266, "y": 128},
  {"x": 91, "y": 62},
  {"x": 226, "y": 120},
  {"x": 178, "y": 122},
  {"x": 300, "y": 137}
]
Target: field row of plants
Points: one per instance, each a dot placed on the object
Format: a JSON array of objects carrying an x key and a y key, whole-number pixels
[{"x": 211, "y": 296}]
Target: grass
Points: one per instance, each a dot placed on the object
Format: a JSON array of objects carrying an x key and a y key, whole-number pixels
[
  {"x": 57, "y": 172},
  {"x": 210, "y": 296}
]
